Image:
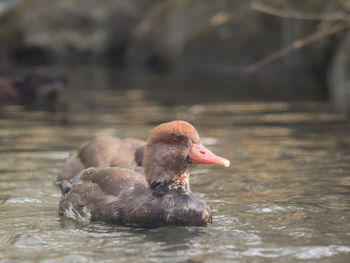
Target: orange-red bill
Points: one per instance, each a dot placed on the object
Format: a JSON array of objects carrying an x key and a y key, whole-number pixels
[{"x": 201, "y": 155}]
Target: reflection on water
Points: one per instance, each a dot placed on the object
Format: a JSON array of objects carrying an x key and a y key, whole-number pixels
[{"x": 286, "y": 196}]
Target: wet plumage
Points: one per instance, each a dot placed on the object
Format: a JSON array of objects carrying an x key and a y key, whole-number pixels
[{"x": 158, "y": 193}]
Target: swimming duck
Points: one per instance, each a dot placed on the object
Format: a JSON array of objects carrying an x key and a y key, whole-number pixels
[
  {"x": 102, "y": 151},
  {"x": 156, "y": 194}
]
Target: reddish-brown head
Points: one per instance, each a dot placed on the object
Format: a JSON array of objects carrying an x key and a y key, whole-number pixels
[
  {"x": 173, "y": 148},
  {"x": 169, "y": 131}
]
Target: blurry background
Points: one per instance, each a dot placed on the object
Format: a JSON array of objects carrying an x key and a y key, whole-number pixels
[
  {"x": 192, "y": 39},
  {"x": 266, "y": 83}
]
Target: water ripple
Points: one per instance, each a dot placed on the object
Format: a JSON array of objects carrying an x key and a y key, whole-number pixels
[{"x": 312, "y": 252}]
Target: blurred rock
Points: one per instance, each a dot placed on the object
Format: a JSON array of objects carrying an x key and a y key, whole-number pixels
[
  {"x": 216, "y": 34},
  {"x": 223, "y": 36},
  {"x": 6, "y": 5},
  {"x": 201, "y": 34},
  {"x": 71, "y": 30}
]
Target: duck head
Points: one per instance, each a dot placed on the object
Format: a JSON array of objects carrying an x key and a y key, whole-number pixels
[{"x": 172, "y": 149}]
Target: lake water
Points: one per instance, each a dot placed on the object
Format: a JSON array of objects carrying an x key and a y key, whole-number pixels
[{"x": 285, "y": 198}]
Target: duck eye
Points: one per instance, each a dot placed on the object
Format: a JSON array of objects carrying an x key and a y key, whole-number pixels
[{"x": 174, "y": 141}]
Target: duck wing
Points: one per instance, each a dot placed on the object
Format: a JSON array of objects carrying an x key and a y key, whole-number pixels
[{"x": 98, "y": 193}]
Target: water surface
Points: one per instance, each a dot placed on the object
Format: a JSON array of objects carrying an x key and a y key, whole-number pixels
[{"x": 285, "y": 198}]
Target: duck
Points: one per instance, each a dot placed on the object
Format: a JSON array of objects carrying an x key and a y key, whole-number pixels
[
  {"x": 29, "y": 88},
  {"x": 158, "y": 193},
  {"x": 102, "y": 151}
]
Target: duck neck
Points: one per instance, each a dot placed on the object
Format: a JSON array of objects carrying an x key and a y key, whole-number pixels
[{"x": 180, "y": 185}]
